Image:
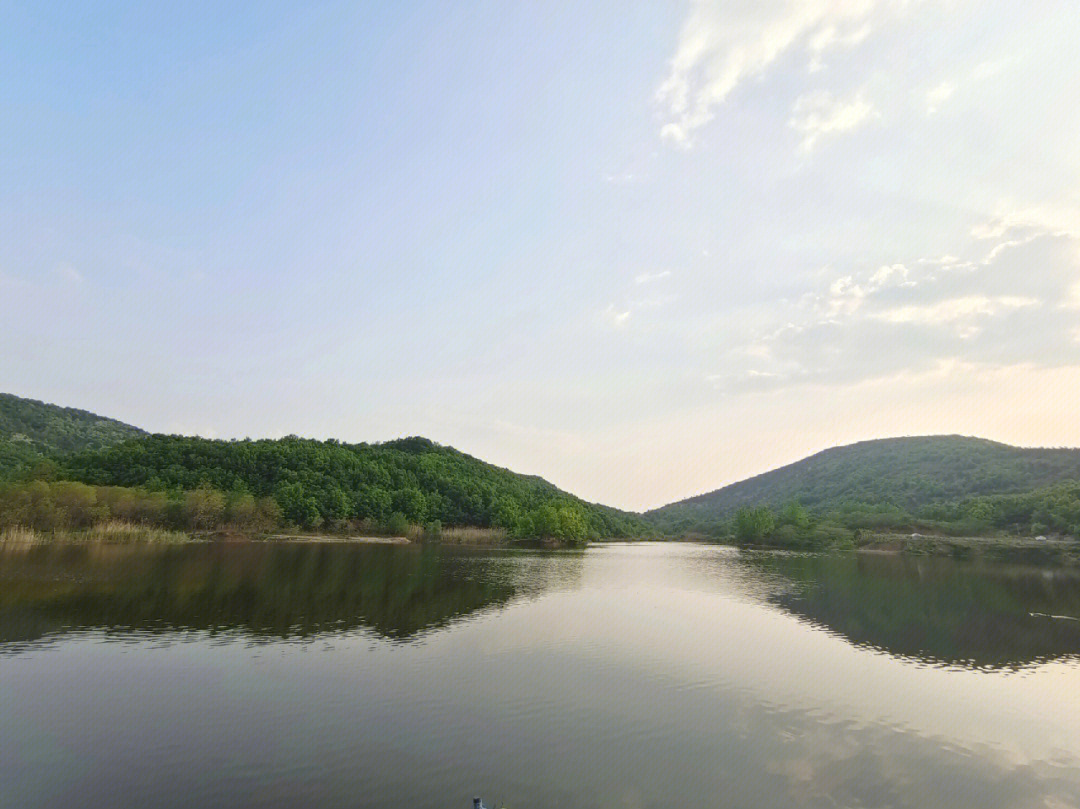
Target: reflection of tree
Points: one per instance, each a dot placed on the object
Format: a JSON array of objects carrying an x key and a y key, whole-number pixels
[
  {"x": 935, "y": 610},
  {"x": 282, "y": 590}
]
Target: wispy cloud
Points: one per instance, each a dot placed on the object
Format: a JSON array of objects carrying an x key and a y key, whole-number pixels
[
  {"x": 831, "y": 37},
  {"x": 649, "y": 277},
  {"x": 720, "y": 47},
  {"x": 963, "y": 314},
  {"x": 1063, "y": 218},
  {"x": 938, "y": 95},
  {"x": 818, "y": 114},
  {"x": 1019, "y": 304},
  {"x": 618, "y": 314},
  {"x": 614, "y": 316}
]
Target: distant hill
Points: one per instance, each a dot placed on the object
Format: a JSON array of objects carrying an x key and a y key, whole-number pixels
[
  {"x": 31, "y": 430},
  {"x": 907, "y": 473}
]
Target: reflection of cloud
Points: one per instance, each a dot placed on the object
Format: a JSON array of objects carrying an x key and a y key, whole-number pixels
[{"x": 838, "y": 763}]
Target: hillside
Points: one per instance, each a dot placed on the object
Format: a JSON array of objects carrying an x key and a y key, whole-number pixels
[
  {"x": 322, "y": 482},
  {"x": 31, "y": 430},
  {"x": 908, "y": 474},
  {"x": 298, "y": 481}
]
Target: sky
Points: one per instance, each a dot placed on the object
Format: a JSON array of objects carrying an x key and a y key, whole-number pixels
[{"x": 642, "y": 249}]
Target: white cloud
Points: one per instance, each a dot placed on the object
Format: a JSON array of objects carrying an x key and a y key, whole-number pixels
[
  {"x": 618, "y": 315},
  {"x": 1020, "y": 304},
  {"x": 942, "y": 261},
  {"x": 1062, "y": 218},
  {"x": 888, "y": 273},
  {"x": 648, "y": 277},
  {"x": 938, "y": 96},
  {"x": 615, "y": 317},
  {"x": 989, "y": 69},
  {"x": 956, "y": 310},
  {"x": 819, "y": 114},
  {"x": 722, "y": 45},
  {"x": 831, "y": 37}
]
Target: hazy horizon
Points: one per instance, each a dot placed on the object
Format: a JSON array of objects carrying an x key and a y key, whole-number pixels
[{"x": 641, "y": 250}]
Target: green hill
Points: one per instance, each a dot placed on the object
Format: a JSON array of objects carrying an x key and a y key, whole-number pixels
[
  {"x": 906, "y": 474},
  {"x": 313, "y": 483},
  {"x": 31, "y": 430},
  {"x": 323, "y": 482}
]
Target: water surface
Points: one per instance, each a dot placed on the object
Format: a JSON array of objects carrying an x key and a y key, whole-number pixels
[{"x": 336, "y": 675}]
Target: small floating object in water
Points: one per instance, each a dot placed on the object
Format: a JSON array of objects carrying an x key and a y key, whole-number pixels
[{"x": 478, "y": 804}]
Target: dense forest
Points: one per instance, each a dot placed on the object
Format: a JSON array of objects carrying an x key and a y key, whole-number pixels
[
  {"x": 326, "y": 483},
  {"x": 69, "y": 469},
  {"x": 31, "y": 431}
]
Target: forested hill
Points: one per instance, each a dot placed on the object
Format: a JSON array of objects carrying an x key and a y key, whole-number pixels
[
  {"x": 324, "y": 482},
  {"x": 905, "y": 473},
  {"x": 31, "y": 430}
]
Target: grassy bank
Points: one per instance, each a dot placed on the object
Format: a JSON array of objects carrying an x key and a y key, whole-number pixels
[
  {"x": 1056, "y": 549},
  {"x": 119, "y": 531},
  {"x": 113, "y": 531}
]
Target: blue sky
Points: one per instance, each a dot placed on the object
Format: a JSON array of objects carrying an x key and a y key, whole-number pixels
[{"x": 642, "y": 249}]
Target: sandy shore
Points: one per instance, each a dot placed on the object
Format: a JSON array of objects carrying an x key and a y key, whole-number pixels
[{"x": 339, "y": 538}]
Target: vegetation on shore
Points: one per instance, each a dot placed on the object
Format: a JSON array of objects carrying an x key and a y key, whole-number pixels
[
  {"x": 40, "y": 510},
  {"x": 411, "y": 487},
  {"x": 112, "y": 531},
  {"x": 1053, "y": 512},
  {"x": 70, "y": 472},
  {"x": 947, "y": 486},
  {"x": 320, "y": 484}
]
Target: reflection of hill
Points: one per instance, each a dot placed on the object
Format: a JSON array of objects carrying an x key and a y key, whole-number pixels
[
  {"x": 275, "y": 590},
  {"x": 936, "y": 610}
]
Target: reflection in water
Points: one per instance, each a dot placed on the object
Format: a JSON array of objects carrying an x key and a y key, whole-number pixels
[
  {"x": 283, "y": 590},
  {"x": 935, "y": 610},
  {"x": 625, "y": 676}
]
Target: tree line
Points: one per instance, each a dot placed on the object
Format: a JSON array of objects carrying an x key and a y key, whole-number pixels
[
  {"x": 1045, "y": 511},
  {"x": 196, "y": 483}
]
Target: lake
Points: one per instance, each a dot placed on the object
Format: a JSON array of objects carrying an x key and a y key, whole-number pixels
[{"x": 625, "y": 675}]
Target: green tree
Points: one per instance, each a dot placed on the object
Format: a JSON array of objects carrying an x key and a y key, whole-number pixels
[
  {"x": 792, "y": 513},
  {"x": 204, "y": 508},
  {"x": 397, "y": 524},
  {"x": 753, "y": 524}
]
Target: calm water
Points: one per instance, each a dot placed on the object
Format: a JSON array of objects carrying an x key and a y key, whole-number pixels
[{"x": 624, "y": 676}]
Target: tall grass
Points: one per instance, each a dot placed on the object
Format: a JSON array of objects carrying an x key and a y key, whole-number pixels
[
  {"x": 112, "y": 531},
  {"x": 472, "y": 536}
]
